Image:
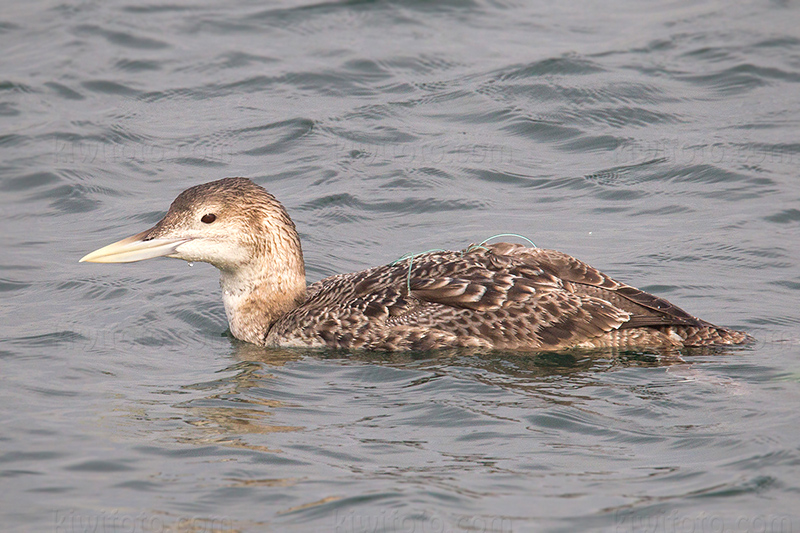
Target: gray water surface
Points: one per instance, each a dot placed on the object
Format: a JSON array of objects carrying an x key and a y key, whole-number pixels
[{"x": 659, "y": 143}]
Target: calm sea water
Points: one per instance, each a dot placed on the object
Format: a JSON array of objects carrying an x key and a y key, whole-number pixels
[{"x": 658, "y": 142}]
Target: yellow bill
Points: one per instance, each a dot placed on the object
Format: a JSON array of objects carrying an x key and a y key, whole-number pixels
[{"x": 134, "y": 248}]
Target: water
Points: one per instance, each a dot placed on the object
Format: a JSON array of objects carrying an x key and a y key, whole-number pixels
[{"x": 657, "y": 142}]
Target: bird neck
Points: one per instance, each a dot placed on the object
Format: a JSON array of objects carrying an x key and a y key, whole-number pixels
[{"x": 256, "y": 295}]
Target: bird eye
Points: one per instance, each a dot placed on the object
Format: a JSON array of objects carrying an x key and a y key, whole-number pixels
[{"x": 208, "y": 218}]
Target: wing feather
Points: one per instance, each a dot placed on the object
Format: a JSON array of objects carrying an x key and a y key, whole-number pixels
[{"x": 497, "y": 296}]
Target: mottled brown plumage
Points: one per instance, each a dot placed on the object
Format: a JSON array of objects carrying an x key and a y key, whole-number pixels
[{"x": 501, "y": 296}]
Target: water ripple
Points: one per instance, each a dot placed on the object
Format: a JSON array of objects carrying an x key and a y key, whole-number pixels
[
  {"x": 124, "y": 39},
  {"x": 741, "y": 78}
]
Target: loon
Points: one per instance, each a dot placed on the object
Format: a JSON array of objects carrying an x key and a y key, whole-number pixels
[{"x": 494, "y": 296}]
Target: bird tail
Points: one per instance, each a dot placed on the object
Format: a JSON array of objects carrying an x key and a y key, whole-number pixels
[{"x": 709, "y": 335}]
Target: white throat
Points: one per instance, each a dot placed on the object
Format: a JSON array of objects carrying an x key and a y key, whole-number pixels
[{"x": 254, "y": 300}]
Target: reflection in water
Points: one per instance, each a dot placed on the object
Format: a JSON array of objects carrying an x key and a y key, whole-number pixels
[
  {"x": 238, "y": 408},
  {"x": 230, "y": 415}
]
